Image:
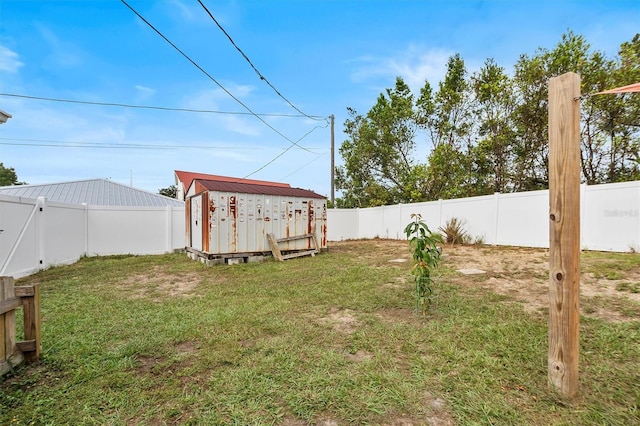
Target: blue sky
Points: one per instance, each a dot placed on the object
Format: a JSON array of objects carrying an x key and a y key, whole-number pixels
[{"x": 322, "y": 56}]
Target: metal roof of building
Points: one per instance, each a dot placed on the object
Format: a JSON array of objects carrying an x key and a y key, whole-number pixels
[
  {"x": 246, "y": 188},
  {"x": 187, "y": 179},
  {"x": 93, "y": 192}
]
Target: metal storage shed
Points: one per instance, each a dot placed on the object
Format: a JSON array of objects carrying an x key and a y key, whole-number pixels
[{"x": 227, "y": 220}]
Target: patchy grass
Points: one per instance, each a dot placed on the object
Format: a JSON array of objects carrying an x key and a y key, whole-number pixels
[{"x": 326, "y": 340}]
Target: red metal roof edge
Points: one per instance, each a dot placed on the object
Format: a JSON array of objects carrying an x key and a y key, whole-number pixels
[
  {"x": 187, "y": 179},
  {"x": 248, "y": 188}
]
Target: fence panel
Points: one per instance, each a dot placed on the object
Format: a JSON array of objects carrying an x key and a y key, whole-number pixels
[
  {"x": 612, "y": 222},
  {"x": 19, "y": 247},
  {"x": 610, "y": 218},
  {"x": 523, "y": 219},
  {"x": 64, "y": 233},
  {"x": 478, "y": 216},
  {"x": 343, "y": 225},
  {"x": 35, "y": 234},
  {"x": 127, "y": 230}
]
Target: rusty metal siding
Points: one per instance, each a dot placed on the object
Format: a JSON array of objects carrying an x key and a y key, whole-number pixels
[
  {"x": 206, "y": 222},
  {"x": 239, "y": 222},
  {"x": 196, "y": 221}
]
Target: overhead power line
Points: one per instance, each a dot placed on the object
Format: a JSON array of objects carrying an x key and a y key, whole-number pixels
[
  {"x": 285, "y": 151},
  {"x": 71, "y": 101},
  {"x": 262, "y": 77},
  {"x": 211, "y": 78},
  {"x": 82, "y": 144}
]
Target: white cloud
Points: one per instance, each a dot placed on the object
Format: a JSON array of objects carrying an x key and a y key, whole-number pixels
[
  {"x": 144, "y": 89},
  {"x": 9, "y": 61},
  {"x": 415, "y": 64},
  {"x": 144, "y": 92},
  {"x": 63, "y": 54}
]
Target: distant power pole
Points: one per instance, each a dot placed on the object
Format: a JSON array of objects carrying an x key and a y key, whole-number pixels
[{"x": 333, "y": 168}]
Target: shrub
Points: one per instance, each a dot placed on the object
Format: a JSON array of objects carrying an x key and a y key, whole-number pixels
[{"x": 453, "y": 232}]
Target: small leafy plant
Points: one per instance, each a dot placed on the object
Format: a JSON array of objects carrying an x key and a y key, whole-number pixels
[
  {"x": 454, "y": 232},
  {"x": 423, "y": 245}
]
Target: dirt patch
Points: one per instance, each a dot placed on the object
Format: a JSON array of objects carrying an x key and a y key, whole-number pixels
[
  {"x": 341, "y": 320},
  {"x": 401, "y": 315},
  {"x": 146, "y": 363},
  {"x": 186, "y": 348},
  {"x": 523, "y": 275},
  {"x": 439, "y": 414},
  {"x": 159, "y": 283},
  {"x": 359, "y": 356}
]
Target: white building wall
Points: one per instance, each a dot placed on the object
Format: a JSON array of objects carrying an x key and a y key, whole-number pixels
[{"x": 610, "y": 218}]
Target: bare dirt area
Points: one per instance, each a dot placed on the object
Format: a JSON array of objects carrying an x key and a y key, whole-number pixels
[
  {"x": 522, "y": 274},
  {"x": 158, "y": 284}
]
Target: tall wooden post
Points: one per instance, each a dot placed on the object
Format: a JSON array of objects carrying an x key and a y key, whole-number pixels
[{"x": 564, "y": 232}]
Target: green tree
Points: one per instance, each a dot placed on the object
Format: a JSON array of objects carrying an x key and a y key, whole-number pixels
[
  {"x": 489, "y": 132},
  {"x": 8, "y": 176},
  {"x": 609, "y": 144},
  {"x": 379, "y": 164},
  {"x": 170, "y": 191},
  {"x": 493, "y": 156},
  {"x": 446, "y": 116}
]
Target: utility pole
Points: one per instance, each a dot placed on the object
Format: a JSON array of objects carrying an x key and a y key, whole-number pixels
[{"x": 333, "y": 168}]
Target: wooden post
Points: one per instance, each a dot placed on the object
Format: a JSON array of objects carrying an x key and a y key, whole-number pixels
[
  {"x": 7, "y": 320},
  {"x": 32, "y": 332},
  {"x": 564, "y": 232}
]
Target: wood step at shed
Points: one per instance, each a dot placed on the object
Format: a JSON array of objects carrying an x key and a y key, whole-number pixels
[{"x": 277, "y": 254}]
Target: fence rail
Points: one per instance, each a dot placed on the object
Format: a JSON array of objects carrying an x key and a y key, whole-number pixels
[{"x": 14, "y": 352}]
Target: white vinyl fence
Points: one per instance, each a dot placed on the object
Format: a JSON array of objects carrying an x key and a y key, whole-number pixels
[
  {"x": 610, "y": 218},
  {"x": 35, "y": 234}
]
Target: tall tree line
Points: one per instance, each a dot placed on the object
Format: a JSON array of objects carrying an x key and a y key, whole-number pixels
[{"x": 487, "y": 131}]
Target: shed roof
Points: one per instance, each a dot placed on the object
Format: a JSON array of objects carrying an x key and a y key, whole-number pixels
[
  {"x": 187, "y": 179},
  {"x": 248, "y": 188},
  {"x": 94, "y": 192}
]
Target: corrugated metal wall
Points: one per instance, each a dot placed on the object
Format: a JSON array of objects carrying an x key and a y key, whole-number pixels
[{"x": 239, "y": 223}]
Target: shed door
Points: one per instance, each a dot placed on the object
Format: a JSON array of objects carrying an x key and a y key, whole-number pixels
[{"x": 196, "y": 222}]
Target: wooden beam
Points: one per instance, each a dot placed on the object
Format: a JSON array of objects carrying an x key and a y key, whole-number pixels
[
  {"x": 32, "y": 325},
  {"x": 299, "y": 254},
  {"x": 564, "y": 232},
  {"x": 27, "y": 345},
  {"x": 7, "y": 318},
  {"x": 10, "y": 305},
  {"x": 295, "y": 237},
  {"x": 273, "y": 242}
]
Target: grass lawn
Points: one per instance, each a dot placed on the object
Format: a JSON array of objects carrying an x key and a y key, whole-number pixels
[{"x": 328, "y": 340}]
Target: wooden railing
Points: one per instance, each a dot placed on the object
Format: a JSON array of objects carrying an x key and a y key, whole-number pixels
[
  {"x": 277, "y": 254},
  {"x": 28, "y": 350}
]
